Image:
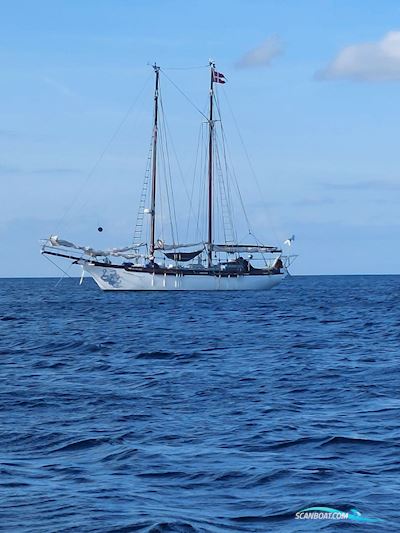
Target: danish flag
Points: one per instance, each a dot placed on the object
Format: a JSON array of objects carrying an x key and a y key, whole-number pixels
[{"x": 218, "y": 77}]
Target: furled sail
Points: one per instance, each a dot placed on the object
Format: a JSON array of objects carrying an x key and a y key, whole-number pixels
[
  {"x": 162, "y": 246},
  {"x": 250, "y": 248},
  {"x": 182, "y": 256},
  {"x": 128, "y": 252}
]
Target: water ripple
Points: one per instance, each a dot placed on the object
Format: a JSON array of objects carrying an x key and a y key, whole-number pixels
[{"x": 198, "y": 412}]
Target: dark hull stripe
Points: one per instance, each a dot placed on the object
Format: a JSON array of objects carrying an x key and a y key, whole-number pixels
[{"x": 172, "y": 271}]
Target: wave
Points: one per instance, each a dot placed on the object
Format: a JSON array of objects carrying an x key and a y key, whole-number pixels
[
  {"x": 173, "y": 527},
  {"x": 107, "y": 426},
  {"x": 357, "y": 441},
  {"x": 157, "y": 355},
  {"x": 81, "y": 445}
]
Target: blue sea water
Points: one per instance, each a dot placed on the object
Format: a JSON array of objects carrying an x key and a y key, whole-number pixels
[{"x": 194, "y": 412}]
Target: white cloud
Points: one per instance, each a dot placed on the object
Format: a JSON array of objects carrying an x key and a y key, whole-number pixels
[
  {"x": 262, "y": 55},
  {"x": 375, "y": 61}
]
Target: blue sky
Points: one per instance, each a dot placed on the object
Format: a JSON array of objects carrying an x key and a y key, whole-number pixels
[{"x": 315, "y": 86}]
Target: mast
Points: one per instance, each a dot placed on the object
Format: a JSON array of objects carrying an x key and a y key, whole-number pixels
[
  {"x": 210, "y": 166},
  {"x": 154, "y": 165}
]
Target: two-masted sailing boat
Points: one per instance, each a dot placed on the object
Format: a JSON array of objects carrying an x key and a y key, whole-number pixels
[{"x": 157, "y": 265}]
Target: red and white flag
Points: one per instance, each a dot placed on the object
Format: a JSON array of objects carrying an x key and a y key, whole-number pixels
[{"x": 218, "y": 77}]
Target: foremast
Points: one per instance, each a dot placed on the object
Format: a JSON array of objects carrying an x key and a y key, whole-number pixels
[{"x": 154, "y": 165}]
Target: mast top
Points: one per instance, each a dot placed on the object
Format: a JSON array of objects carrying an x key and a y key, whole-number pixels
[
  {"x": 211, "y": 63},
  {"x": 156, "y": 67}
]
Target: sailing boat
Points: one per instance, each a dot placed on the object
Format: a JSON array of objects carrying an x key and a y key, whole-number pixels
[{"x": 156, "y": 265}]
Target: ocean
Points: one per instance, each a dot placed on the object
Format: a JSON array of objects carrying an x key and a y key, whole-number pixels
[{"x": 206, "y": 412}]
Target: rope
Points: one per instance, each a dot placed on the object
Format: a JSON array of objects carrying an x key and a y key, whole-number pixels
[
  {"x": 59, "y": 268},
  {"x": 187, "y": 68},
  {"x": 226, "y": 203},
  {"x": 103, "y": 152},
  {"x": 253, "y": 172},
  {"x": 185, "y": 95},
  {"x": 167, "y": 174},
  {"x": 171, "y": 140},
  {"x": 193, "y": 182}
]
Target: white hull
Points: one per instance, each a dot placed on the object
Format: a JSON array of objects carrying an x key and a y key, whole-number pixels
[{"x": 112, "y": 279}]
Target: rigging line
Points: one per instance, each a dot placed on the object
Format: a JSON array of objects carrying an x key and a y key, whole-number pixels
[
  {"x": 184, "y": 95},
  {"x": 226, "y": 191},
  {"x": 193, "y": 183},
  {"x": 59, "y": 268},
  {"x": 167, "y": 172},
  {"x": 160, "y": 197},
  {"x": 225, "y": 229},
  {"x": 242, "y": 204},
  {"x": 61, "y": 277},
  {"x": 161, "y": 182},
  {"x": 251, "y": 166},
  {"x": 172, "y": 212},
  {"x": 201, "y": 222},
  {"x": 225, "y": 180},
  {"x": 232, "y": 172},
  {"x": 260, "y": 244},
  {"x": 229, "y": 196},
  {"x": 235, "y": 181},
  {"x": 186, "y": 68},
  {"x": 168, "y": 132},
  {"x": 103, "y": 152},
  {"x": 225, "y": 214},
  {"x": 140, "y": 218}
]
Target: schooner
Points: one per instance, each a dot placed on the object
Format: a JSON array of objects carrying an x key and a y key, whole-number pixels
[{"x": 153, "y": 264}]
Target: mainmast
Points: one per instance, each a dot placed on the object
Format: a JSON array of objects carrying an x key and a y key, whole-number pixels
[
  {"x": 210, "y": 166},
  {"x": 154, "y": 165}
]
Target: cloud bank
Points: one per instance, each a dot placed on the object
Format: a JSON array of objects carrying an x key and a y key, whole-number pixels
[
  {"x": 366, "y": 185},
  {"x": 262, "y": 55},
  {"x": 374, "y": 61}
]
